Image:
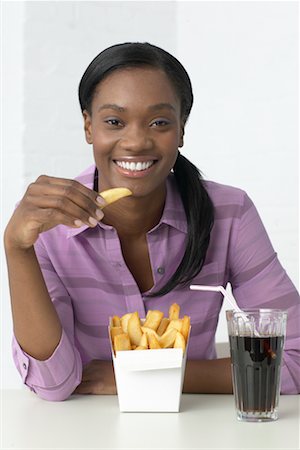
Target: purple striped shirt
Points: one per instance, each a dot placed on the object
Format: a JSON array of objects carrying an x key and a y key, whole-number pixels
[{"x": 88, "y": 281}]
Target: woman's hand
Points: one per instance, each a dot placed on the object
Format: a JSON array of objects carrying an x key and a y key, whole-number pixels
[
  {"x": 97, "y": 378},
  {"x": 48, "y": 202}
]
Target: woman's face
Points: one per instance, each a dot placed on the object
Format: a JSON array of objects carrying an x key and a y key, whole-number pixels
[{"x": 135, "y": 128}]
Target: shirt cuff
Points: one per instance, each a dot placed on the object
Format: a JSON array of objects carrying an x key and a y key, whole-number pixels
[{"x": 61, "y": 372}]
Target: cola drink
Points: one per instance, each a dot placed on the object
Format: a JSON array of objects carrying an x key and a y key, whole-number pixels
[{"x": 256, "y": 367}]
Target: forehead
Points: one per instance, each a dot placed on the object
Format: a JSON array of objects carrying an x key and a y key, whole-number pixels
[{"x": 137, "y": 83}]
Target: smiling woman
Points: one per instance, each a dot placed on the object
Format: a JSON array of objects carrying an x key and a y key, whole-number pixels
[{"x": 72, "y": 266}]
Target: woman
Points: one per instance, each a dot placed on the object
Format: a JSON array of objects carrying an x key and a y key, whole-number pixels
[{"x": 71, "y": 266}]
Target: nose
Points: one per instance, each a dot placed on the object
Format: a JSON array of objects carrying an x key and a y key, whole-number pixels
[{"x": 136, "y": 139}]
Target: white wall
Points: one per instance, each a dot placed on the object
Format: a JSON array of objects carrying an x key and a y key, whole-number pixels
[
  {"x": 242, "y": 59},
  {"x": 12, "y": 154}
]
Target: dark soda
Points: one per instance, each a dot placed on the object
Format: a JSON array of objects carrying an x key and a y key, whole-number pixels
[{"x": 256, "y": 367}]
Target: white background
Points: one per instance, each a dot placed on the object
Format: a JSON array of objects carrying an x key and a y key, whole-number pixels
[{"x": 243, "y": 131}]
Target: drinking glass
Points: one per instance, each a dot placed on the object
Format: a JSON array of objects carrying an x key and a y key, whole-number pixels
[{"x": 256, "y": 338}]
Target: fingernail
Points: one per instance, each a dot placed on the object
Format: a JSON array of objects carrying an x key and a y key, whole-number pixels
[
  {"x": 101, "y": 201},
  {"x": 93, "y": 221},
  {"x": 78, "y": 223},
  {"x": 99, "y": 214}
]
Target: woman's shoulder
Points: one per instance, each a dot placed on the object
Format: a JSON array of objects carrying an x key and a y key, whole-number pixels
[{"x": 223, "y": 194}]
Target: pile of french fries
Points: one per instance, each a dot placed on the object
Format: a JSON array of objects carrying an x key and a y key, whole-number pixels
[{"x": 129, "y": 332}]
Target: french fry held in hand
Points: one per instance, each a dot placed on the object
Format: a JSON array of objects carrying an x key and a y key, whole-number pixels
[
  {"x": 129, "y": 332},
  {"x": 114, "y": 194}
]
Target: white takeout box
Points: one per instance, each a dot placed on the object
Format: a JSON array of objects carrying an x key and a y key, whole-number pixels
[{"x": 149, "y": 380}]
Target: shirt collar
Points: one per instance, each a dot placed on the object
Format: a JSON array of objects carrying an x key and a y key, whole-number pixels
[
  {"x": 87, "y": 179},
  {"x": 173, "y": 213}
]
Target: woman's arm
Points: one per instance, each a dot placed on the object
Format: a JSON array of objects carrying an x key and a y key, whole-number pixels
[
  {"x": 208, "y": 377},
  {"x": 37, "y": 327},
  {"x": 47, "y": 202}
]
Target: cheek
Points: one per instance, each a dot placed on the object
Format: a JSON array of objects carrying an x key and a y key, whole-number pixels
[
  {"x": 102, "y": 142},
  {"x": 171, "y": 145}
]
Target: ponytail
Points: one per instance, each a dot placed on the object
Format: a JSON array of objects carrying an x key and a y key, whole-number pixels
[{"x": 200, "y": 219}]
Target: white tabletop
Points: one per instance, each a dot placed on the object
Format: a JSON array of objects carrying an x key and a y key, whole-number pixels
[{"x": 94, "y": 422}]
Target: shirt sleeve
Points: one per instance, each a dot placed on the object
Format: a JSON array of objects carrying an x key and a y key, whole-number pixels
[
  {"x": 259, "y": 281},
  {"x": 55, "y": 378}
]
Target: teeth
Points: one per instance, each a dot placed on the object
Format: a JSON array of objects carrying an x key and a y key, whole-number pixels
[{"x": 135, "y": 166}]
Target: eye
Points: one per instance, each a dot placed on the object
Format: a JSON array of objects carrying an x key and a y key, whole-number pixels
[
  {"x": 160, "y": 123},
  {"x": 113, "y": 122}
]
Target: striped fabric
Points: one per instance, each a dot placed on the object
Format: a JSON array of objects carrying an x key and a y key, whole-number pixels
[{"x": 88, "y": 282}]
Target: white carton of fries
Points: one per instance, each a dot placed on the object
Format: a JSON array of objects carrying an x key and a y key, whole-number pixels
[{"x": 149, "y": 380}]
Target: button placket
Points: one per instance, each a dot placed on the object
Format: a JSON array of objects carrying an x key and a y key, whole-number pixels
[{"x": 132, "y": 295}]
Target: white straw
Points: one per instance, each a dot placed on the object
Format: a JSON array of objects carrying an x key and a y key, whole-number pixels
[{"x": 202, "y": 287}]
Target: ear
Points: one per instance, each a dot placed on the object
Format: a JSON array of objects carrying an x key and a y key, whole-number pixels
[
  {"x": 87, "y": 127},
  {"x": 181, "y": 136}
]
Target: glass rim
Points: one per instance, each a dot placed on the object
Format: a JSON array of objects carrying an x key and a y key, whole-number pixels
[{"x": 258, "y": 311}]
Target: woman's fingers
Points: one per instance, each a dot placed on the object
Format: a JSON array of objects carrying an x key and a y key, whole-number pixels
[
  {"x": 64, "y": 190},
  {"x": 97, "y": 387},
  {"x": 97, "y": 378},
  {"x": 63, "y": 201},
  {"x": 51, "y": 201},
  {"x": 88, "y": 387},
  {"x": 58, "y": 207}
]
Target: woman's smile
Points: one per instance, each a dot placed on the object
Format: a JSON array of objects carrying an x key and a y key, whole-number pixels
[{"x": 135, "y": 167}]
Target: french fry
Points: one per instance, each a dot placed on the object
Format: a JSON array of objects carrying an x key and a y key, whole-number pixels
[
  {"x": 116, "y": 321},
  {"x": 179, "y": 341},
  {"x": 149, "y": 331},
  {"x": 134, "y": 329},
  {"x": 163, "y": 326},
  {"x": 153, "y": 342},
  {"x": 186, "y": 323},
  {"x": 174, "y": 311},
  {"x": 153, "y": 319},
  {"x": 175, "y": 323},
  {"x": 114, "y": 331},
  {"x": 124, "y": 321},
  {"x": 114, "y": 194},
  {"x": 129, "y": 332},
  {"x": 122, "y": 342},
  {"x": 144, "y": 340},
  {"x": 168, "y": 338}
]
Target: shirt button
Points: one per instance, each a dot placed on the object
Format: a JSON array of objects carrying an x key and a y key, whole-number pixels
[
  {"x": 161, "y": 270},
  {"x": 24, "y": 366}
]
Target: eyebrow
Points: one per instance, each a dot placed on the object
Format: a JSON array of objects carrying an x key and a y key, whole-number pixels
[
  {"x": 157, "y": 107},
  {"x": 160, "y": 106}
]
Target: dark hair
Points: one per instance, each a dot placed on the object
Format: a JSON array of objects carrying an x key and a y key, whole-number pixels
[{"x": 197, "y": 204}]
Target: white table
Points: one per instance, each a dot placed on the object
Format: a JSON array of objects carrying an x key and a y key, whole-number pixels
[{"x": 94, "y": 422}]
